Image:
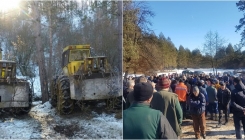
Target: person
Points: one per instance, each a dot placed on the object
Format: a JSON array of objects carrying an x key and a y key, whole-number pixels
[
  {"x": 224, "y": 98},
  {"x": 129, "y": 88},
  {"x": 130, "y": 97},
  {"x": 238, "y": 106},
  {"x": 168, "y": 103},
  {"x": 212, "y": 99},
  {"x": 181, "y": 91},
  {"x": 204, "y": 92},
  {"x": 197, "y": 110},
  {"x": 142, "y": 122}
]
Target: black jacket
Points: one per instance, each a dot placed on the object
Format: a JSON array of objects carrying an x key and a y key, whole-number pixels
[
  {"x": 238, "y": 100},
  {"x": 224, "y": 96}
]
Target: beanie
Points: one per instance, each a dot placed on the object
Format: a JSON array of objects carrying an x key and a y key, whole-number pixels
[
  {"x": 143, "y": 91},
  {"x": 163, "y": 83}
]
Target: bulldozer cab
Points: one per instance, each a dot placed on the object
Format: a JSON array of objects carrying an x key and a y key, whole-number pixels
[
  {"x": 7, "y": 70},
  {"x": 77, "y": 57}
]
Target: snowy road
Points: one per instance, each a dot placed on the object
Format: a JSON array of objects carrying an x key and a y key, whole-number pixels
[{"x": 42, "y": 122}]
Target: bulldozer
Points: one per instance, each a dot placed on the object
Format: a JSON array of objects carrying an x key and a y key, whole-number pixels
[
  {"x": 83, "y": 78},
  {"x": 15, "y": 93}
]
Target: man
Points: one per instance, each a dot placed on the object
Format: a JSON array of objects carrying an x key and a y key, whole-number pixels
[
  {"x": 142, "y": 122},
  {"x": 168, "y": 104},
  {"x": 204, "y": 92},
  {"x": 212, "y": 99},
  {"x": 181, "y": 91},
  {"x": 224, "y": 98},
  {"x": 197, "y": 105},
  {"x": 129, "y": 88},
  {"x": 130, "y": 97},
  {"x": 238, "y": 106}
]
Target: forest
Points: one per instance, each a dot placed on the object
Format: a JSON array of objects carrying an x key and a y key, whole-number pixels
[
  {"x": 144, "y": 51},
  {"x": 34, "y": 35}
]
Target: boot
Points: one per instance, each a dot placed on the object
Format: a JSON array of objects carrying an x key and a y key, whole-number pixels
[
  {"x": 216, "y": 117},
  {"x": 211, "y": 116},
  {"x": 225, "y": 122},
  {"x": 204, "y": 136},
  {"x": 219, "y": 124}
]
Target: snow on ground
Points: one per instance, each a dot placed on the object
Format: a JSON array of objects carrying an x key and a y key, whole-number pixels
[{"x": 43, "y": 122}]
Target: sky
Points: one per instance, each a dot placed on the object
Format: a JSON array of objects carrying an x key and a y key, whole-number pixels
[{"x": 187, "y": 22}]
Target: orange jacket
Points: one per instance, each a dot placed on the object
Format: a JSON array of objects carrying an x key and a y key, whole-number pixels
[{"x": 181, "y": 91}]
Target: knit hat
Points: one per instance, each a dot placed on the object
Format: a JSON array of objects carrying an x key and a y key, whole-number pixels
[
  {"x": 163, "y": 83},
  {"x": 143, "y": 91}
]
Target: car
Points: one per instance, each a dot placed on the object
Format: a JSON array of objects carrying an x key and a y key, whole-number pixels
[
  {"x": 229, "y": 73},
  {"x": 198, "y": 73},
  {"x": 187, "y": 72}
]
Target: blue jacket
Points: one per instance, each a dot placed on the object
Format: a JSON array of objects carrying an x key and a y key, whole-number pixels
[
  {"x": 204, "y": 92},
  {"x": 197, "y": 104}
]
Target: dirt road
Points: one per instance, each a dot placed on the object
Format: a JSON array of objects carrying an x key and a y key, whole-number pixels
[{"x": 213, "y": 132}]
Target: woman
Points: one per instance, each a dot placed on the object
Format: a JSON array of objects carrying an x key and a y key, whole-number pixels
[{"x": 197, "y": 110}]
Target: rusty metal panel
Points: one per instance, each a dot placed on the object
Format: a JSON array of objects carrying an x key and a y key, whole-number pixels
[
  {"x": 14, "y": 95},
  {"x": 92, "y": 89}
]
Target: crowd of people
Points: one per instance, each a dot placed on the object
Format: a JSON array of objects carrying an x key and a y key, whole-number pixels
[{"x": 155, "y": 106}]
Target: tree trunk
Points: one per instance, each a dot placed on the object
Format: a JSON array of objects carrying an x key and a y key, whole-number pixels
[
  {"x": 50, "y": 68},
  {"x": 40, "y": 51},
  {"x": 120, "y": 4}
]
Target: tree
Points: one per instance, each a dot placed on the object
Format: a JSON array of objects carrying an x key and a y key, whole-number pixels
[
  {"x": 40, "y": 52},
  {"x": 241, "y": 7},
  {"x": 182, "y": 57},
  {"x": 213, "y": 42}
]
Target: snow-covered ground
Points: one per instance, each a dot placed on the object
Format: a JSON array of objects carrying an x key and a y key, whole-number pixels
[
  {"x": 43, "y": 122},
  {"x": 179, "y": 71}
]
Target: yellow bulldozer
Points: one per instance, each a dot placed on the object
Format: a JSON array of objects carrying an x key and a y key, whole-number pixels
[
  {"x": 84, "y": 78},
  {"x": 15, "y": 93}
]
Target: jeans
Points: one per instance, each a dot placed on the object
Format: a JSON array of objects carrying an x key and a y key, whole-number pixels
[
  {"x": 183, "y": 107},
  {"x": 213, "y": 107},
  {"x": 237, "y": 124}
]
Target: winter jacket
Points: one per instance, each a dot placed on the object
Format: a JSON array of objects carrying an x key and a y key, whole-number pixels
[
  {"x": 142, "y": 122},
  {"x": 197, "y": 104},
  {"x": 226, "y": 79},
  {"x": 238, "y": 100},
  {"x": 130, "y": 99},
  {"x": 212, "y": 94},
  {"x": 204, "y": 92},
  {"x": 181, "y": 91},
  {"x": 169, "y": 105},
  {"x": 224, "y": 96}
]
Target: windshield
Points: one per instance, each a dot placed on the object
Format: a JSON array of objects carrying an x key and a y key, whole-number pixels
[{"x": 78, "y": 55}]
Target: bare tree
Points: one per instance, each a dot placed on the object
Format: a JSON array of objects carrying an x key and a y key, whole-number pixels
[{"x": 40, "y": 50}]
